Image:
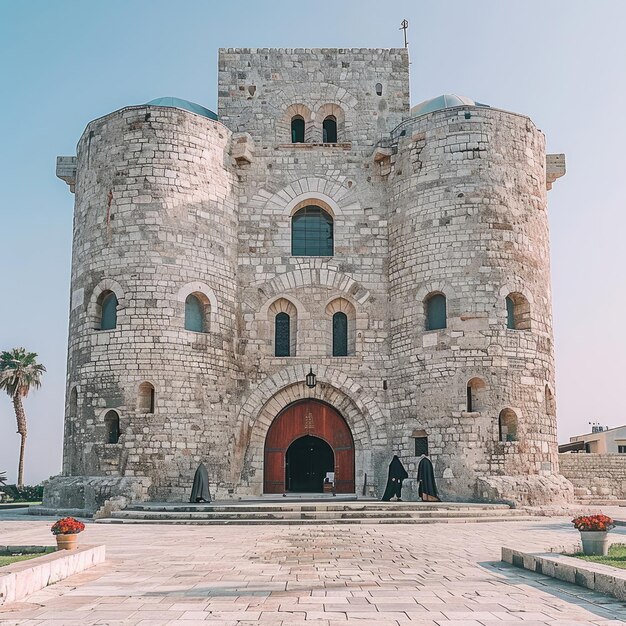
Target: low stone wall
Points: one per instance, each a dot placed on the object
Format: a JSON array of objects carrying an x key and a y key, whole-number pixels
[
  {"x": 19, "y": 580},
  {"x": 530, "y": 490},
  {"x": 597, "y": 475},
  {"x": 595, "y": 576}
]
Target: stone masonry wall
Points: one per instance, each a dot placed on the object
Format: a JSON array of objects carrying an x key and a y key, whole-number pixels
[
  {"x": 155, "y": 220},
  {"x": 597, "y": 475},
  {"x": 468, "y": 220}
]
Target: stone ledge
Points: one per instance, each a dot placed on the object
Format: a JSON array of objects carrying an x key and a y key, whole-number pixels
[
  {"x": 21, "y": 579},
  {"x": 605, "y": 579}
]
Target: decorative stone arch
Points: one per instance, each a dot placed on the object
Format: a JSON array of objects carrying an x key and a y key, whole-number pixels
[
  {"x": 284, "y": 305},
  {"x": 315, "y": 199},
  {"x": 209, "y": 300},
  {"x": 324, "y": 111},
  {"x": 94, "y": 306},
  {"x": 338, "y": 304},
  {"x": 357, "y": 407},
  {"x": 283, "y": 123},
  {"x": 310, "y": 274}
]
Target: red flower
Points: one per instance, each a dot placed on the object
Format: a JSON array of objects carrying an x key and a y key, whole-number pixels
[
  {"x": 67, "y": 526},
  {"x": 593, "y": 522}
]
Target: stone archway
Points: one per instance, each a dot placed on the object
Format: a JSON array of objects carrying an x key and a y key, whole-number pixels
[{"x": 308, "y": 418}]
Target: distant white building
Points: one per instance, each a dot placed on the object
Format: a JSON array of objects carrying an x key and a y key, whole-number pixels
[{"x": 600, "y": 440}]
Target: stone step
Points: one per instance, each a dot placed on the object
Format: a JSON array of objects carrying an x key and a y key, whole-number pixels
[
  {"x": 295, "y": 515},
  {"x": 307, "y": 522},
  {"x": 310, "y": 507}
]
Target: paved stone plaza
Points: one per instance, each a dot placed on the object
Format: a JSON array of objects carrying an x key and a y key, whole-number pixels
[{"x": 430, "y": 574}]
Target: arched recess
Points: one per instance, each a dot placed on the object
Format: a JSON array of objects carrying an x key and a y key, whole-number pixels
[
  {"x": 333, "y": 308},
  {"x": 308, "y": 418},
  {"x": 436, "y": 311},
  {"x": 112, "y": 432},
  {"x": 507, "y": 425},
  {"x": 476, "y": 392},
  {"x": 207, "y": 299},
  {"x": 101, "y": 295},
  {"x": 146, "y": 398},
  {"x": 283, "y": 306},
  {"x": 550, "y": 402},
  {"x": 517, "y": 312},
  {"x": 355, "y": 404}
]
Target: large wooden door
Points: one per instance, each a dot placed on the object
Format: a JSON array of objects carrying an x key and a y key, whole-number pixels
[{"x": 308, "y": 417}]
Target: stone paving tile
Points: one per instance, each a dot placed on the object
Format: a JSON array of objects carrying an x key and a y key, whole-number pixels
[{"x": 431, "y": 575}]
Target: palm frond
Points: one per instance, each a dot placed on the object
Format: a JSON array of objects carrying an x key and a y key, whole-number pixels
[{"x": 20, "y": 372}]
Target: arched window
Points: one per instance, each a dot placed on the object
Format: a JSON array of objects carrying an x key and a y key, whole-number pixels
[
  {"x": 340, "y": 334},
  {"x": 312, "y": 232},
  {"x": 197, "y": 311},
  {"x": 517, "y": 312},
  {"x": 112, "y": 426},
  {"x": 329, "y": 129},
  {"x": 297, "y": 129},
  {"x": 108, "y": 310},
  {"x": 475, "y": 395},
  {"x": 146, "y": 398},
  {"x": 549, "y": 401},
  {"x": 507, "y": 425},
  {"x": 282, "y": 335},
  {"x": 435, "y": 311}
]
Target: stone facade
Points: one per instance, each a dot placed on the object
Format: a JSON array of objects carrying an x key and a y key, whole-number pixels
[
  {"x": 595, "y": 476},
  {"x": 171, "y": 203}
]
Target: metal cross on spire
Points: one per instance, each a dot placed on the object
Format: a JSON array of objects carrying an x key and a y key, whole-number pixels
[{"x": 404, "y": 26}]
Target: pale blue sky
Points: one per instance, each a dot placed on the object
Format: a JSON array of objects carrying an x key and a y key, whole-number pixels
[{"x": 562, "y": 62}]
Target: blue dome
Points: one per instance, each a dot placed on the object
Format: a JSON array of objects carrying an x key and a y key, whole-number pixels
[
  {"x": 178, "y": 103},
  {"x": 446, "y": 101}
]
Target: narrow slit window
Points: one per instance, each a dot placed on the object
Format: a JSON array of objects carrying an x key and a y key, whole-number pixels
[
  {"x": 108, "y": 311},
  {"x": 282, "y": 335},
  {"x": 112, "y": 426},
  {"x": 340, "y": 334}
]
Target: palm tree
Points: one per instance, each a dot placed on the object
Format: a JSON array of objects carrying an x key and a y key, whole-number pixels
[{"x": 19, "y": 372}]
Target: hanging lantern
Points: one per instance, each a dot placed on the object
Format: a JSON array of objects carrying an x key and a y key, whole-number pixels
[{"x": 310, "y": 379}]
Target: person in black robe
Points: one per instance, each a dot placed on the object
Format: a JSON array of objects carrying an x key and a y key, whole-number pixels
[
  {"x": 427, "y": 488},
  {"x": 200, "y": 489},
  {"x": 397, "y": 474}
]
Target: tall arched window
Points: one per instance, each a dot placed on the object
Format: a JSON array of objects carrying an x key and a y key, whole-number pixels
[
  {"x": 297, "y": 129},
  {"x": 282, "y": 335},
  {"x": 340, "y": 334},
  {"x": 312, "y": 232},
  {"x": 435, "y": 311},
  {"x": 517, "y": 312},
  {"x": 108, "y": 310},
  {"x": 146, "y": 398},
  {"x": 329, "y": 129},
  {"x": 197, "y": 311},
  {"x": 73, "y": 402},
  {"x": 507, "y": 425},
  {"x": 112, "y": 426}
]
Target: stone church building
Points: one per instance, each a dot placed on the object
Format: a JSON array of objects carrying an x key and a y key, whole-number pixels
[{"x": 311, "y": 280}]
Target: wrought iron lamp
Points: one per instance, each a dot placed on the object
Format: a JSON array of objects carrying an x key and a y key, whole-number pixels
[{"x": 311, "y": 379}]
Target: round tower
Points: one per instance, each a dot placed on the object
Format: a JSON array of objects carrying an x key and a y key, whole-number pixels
[
  {"x": 152, "y": 322},
  {"x": 470, "y": 287}
]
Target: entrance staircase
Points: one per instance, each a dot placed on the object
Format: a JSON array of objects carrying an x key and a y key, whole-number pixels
[{"x": 317, "y": 511}]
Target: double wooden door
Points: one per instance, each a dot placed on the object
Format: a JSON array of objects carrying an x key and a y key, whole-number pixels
[{"x": 301, "y": 419}]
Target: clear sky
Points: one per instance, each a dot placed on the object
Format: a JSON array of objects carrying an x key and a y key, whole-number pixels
[{"x": 562, "y": 62}]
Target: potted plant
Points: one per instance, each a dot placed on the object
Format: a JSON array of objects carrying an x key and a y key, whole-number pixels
[
  {"x": 66, "y": 531},
  {"x": 594, "y": 531}
]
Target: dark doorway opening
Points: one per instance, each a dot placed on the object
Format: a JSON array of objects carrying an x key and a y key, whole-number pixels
[{"x": 307, "y": 462}]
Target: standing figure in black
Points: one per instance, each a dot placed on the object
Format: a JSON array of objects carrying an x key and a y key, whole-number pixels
[
  {"x": 427, "y": 488},
  {"x": 397, "y": 474},
  {"x": 200, "y": 489}
]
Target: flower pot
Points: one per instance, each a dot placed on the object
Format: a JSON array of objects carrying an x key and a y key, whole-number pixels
[
  {"x": 67, "y": 542},
  {"x": 595, "y": 542}
]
